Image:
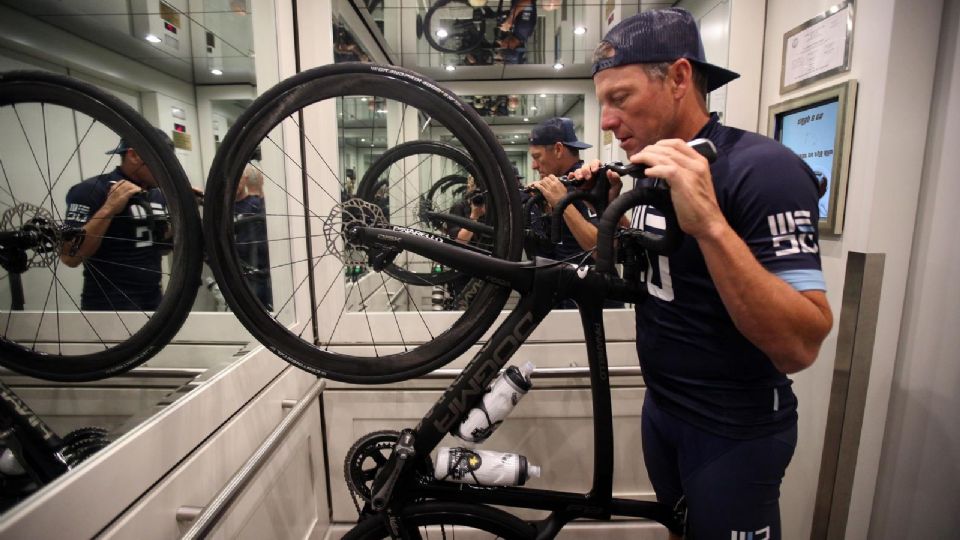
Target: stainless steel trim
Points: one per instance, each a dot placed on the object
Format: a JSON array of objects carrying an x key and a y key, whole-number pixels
[
  {"x": 856, "y": 331},
  {"x": 139, "y": 373},
  {"x": 212, "y": 513},
  {"x": 546, "y": 373}
]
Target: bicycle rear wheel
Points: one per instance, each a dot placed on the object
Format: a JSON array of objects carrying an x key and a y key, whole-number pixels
[
  {"x": 56, "y": 130},
  {"x": 447, "y": 520},
  {"x": 362, "y": 326}
]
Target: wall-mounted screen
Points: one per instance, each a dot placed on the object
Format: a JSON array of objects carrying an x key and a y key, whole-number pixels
[{"x": 819, "y": 128}]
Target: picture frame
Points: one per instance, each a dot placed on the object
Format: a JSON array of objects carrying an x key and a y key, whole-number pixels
[
  {"x": 818, "y": 127},
  {"x": 818, "y": 48}
]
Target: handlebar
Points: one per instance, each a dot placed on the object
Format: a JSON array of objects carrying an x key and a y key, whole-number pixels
[{"x": 656, "y": 195}]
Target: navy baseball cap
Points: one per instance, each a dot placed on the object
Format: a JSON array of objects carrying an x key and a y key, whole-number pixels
[
  {"x": 556, "y": 130},
  {"x": 661, "y": 35},
  {"x": 123, "y": 146}
]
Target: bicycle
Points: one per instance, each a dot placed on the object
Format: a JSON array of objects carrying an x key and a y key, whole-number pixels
[
  {"x": 399, "y": 490},
  {"x": 56, "y": 131},
  {"x": 40, "y": 454}
]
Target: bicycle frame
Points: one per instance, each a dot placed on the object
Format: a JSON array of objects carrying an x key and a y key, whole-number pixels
[{"x": 540, "y": 283}]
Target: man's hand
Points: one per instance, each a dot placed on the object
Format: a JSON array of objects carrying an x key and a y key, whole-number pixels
[
  {"x": 691, "y": 185},
  {"x": 552, "y": 189},
  {"x": 589, "y": 170},
  {"x": 118, "y": 197}
]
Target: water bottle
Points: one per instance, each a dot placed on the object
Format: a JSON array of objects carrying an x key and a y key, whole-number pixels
[
  {"x": 483, "y": 467},
  {"x": 501, "y": 397}
]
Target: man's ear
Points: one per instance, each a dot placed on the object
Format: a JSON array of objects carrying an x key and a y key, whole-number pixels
[
  {"x": 680, "y": 75},
  {"x": 558, "y": 149}
]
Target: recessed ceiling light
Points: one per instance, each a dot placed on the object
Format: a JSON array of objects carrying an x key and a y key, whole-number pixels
[
  {"x": 363, "y": 99},
  {"x": 441, "y": 33},
  {"x": 526, "y": 119},
  {"x": 543, "y": 95},
  {"x": 451, "y": 67},
  {"x": 363, "y": 140},
  {"x": 152, "y": 38},
  {"x": 533, "y": 107},
  {"x": 580, "y": 30},
  {"x": 558, "y": 66},
  {"x": 216, "y": 71}
]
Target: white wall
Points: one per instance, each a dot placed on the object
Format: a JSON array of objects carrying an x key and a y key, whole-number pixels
[
  {"x": 894, "y": 49},
  {"x": 919, "y": 477}
]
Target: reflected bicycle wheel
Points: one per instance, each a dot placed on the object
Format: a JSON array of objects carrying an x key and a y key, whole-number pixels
[
  {"x": 448, "y": 520},
  {"x": 65, "y": 321},
  {"x": 442, "y": 202},
  {"x": 361, "y": 325},
  {"x": 454, "y": 26}
]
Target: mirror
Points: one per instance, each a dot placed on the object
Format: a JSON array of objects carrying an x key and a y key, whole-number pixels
[
  {"x": 189, "y": 68},
  {"x": 489, "y": 39}
]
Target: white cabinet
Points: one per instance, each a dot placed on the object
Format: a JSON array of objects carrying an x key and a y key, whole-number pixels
[{"x": 286, "y": 498}]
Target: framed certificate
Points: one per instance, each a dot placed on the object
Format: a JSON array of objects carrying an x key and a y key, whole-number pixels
[
  {"x": 817, "y": 48},
  {"x": 818, "y": 127}
]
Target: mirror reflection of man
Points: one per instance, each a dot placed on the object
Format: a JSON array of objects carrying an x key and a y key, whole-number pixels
[
  {"x": 120, "y": 255},
  {"x": 250, "y": 225},
  {"x": 555, "y": 152}
]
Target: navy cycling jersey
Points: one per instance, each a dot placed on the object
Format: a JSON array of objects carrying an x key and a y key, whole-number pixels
[
  {"x": 124, "y": 273},
  {"x": 695, "y": 362}
]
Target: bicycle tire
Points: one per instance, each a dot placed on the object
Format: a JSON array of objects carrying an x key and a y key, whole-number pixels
[
  {"x": 462, "y": 46},
  {"x": 443, "y": 514},
  {"x": 347, "y": 356},
  {"x": 129, "y": 338},
  {"x": 379, "y": 172}
]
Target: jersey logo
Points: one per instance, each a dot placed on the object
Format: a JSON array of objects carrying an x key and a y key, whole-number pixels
[
  {"x": 762, "y": 534},
  {"x": 78, "y": 212},
  {"x": 792, "y": 232}
]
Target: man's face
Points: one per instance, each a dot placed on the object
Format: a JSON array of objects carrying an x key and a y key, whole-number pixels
[
  {"x": 546, "y": 159},
  {"x": 138, "y": 170},
  {"x": 638, "y": 109}
]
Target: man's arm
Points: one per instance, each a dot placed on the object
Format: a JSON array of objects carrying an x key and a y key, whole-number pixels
[
  {"x": 96, "y": 226},
  {"x": 582, "y": 228},
  {"x": 787, "y": 325}
]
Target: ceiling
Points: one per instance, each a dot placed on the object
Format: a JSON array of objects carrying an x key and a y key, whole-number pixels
[{"x": 192, "y": 41}]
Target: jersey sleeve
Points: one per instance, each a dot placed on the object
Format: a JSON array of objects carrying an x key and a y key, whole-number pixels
[
  {"x": 774, "y": 208},
  {"x": 82, "y": 202}
]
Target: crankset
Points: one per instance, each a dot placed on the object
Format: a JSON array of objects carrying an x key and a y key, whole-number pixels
[{"x": 365, "y": 459}]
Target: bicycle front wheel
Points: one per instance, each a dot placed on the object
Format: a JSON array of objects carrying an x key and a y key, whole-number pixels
[
  {"x": 59, "y": 319},
  {"x": 362, "y": 325},
  {"x": 447, "y": 520}
]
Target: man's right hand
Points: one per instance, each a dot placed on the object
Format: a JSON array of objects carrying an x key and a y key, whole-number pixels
[{"x": 119, "y": 195}]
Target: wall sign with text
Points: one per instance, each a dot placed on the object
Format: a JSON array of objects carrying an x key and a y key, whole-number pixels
[{"x": 817, "y": 48}]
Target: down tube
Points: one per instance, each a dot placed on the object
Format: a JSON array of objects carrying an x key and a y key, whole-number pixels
[{"x": 467, "y": 389}]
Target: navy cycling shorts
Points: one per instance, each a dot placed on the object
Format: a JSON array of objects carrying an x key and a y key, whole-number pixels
[{"x": 731, "y": 487}]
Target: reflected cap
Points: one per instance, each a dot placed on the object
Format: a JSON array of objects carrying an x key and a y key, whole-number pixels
[
  {"x": 123, "y": 146},
  {"x": 661, "y": 35},
  {"x": 554, "y": 130}
]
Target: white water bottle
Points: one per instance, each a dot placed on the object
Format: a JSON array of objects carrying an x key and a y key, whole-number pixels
[
  {"x": 502, "y": 396},
  {"x": 483, "y": 467}
]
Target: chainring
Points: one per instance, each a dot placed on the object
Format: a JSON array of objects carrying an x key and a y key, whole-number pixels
[{"x": 367, "y": 456}]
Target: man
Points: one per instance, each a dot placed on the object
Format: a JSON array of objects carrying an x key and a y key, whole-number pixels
[
  {"x": 555, "y": 152},
  {"x": 118, "y": 247},
  {"x": 250, "y": 226},
  {"x": 738, "y": 306}
]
